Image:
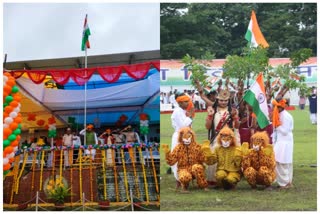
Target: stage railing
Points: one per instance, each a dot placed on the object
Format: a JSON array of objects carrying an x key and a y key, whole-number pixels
[{"x": 116, "y": 168}]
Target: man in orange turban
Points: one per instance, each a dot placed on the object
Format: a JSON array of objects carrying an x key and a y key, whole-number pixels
[
  {"x": 283, "y": 143},
  {"x": 91, "y": 139}
]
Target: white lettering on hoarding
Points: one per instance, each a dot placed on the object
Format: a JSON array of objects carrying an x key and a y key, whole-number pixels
[{"x": 184, "y": 74}]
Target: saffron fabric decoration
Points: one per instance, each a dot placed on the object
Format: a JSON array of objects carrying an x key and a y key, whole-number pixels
[{"x": 82, "y": 75}]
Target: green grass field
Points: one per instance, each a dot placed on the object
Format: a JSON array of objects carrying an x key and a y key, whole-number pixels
[{"x": 301, "y": 197}]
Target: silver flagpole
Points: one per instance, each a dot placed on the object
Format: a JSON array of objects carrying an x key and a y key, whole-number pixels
[{"x": 85, "y": 95}]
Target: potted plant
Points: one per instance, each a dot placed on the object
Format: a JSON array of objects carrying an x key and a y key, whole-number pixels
[{"x": 58, "y": 195}]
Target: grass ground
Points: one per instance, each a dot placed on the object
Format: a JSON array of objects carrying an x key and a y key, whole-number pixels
[{"x": 302, "y": 197}]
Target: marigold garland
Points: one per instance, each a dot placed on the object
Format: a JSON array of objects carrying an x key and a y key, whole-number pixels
[
  {"x": 15, "y": 175},
  {"x": 91, "y": 179},
  {"x": 33, "y": 168},
  {"x": 25, "y": 156},
  {"x": 101, "y": 147},
  {"x": 144, "y": 177},
  {"x": 154, "y": 173},
  {"x": 132, "y": 156},
  {"x": 53, "y": 162},
  {"x": 71, "y": 197},
  {"x": 104, "y": 176},
  {"x": 80, "y": 174},
  {"x": 61, "y": 156},
  {"x": 125, "y": 174},
  {"x": 134, "y": 171},
  {"x": 41, "y": 170},
  {"x": 70, "y": 157},
  {"x": 115, "y": 177}
]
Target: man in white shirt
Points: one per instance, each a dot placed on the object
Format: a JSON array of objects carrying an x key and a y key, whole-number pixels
[
  {"x": 173, "y": 101},
  {"x": 76, "y": 141},
  {"x": 161, "y": 98},
  {"x": 282, "y": 138},
  {"x": 196, "y": 100},
  {"x": 165, "y": 98},
  {"x": 67, "y": 141}
]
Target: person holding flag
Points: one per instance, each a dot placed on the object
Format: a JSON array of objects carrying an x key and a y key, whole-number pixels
[{"x": 256, "y": 98}]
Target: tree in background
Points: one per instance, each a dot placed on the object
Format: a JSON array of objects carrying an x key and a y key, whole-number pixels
[{"x": 219, "y": 28}]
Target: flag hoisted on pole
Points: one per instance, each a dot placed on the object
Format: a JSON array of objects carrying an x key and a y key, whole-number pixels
[
  {"x": 254, "y": 35},
  {"x": 85, "y": 35},
  {"x": 85, "y": 45},
  {"x": 256, "y": 98}
]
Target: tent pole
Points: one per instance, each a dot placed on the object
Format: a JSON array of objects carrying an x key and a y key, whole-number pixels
[{"x": 85, "y": 95}]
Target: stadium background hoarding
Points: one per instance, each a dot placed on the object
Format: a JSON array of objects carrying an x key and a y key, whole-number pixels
[{"x": 173, "y": 75}]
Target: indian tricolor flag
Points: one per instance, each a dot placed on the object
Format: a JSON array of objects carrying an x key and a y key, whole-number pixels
[
  {"x": 256, "y": 98},
  {"x": 85, "y": 35},
  {"x": 254, "y": 35}
]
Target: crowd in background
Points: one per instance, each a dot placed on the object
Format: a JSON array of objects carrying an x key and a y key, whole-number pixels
[
  {"x": 169, "y": 98},
  {"x": 88, "y": 136}
]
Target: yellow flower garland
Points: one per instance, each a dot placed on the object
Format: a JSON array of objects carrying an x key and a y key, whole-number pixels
[
  {"x": 104, "y": 175},
  {"x": 115, "y": 177},
  {"x": 125, "y": 175},
  {"x": 61, "y": 156},
  {"x": 91, "y": 179},
  {"x": 15, "y": 175},
  {"x": 154, "y": 173},
  {"x": 80, "y": 174},
  {"x": 131, "y": 150},
  {"x": 71, "y": 172},
  {"x": 53, "y": 162},
  {"x": 144, "y": 177},
  {"x": 25, "y": 157},
  {"x": 41, "y": 170},
  {"x": 33, "y": 168},
  {"x": 70, "y": 157}
]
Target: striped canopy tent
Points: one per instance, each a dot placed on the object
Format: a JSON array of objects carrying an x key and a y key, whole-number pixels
[{"x": 119, "y": 88}]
